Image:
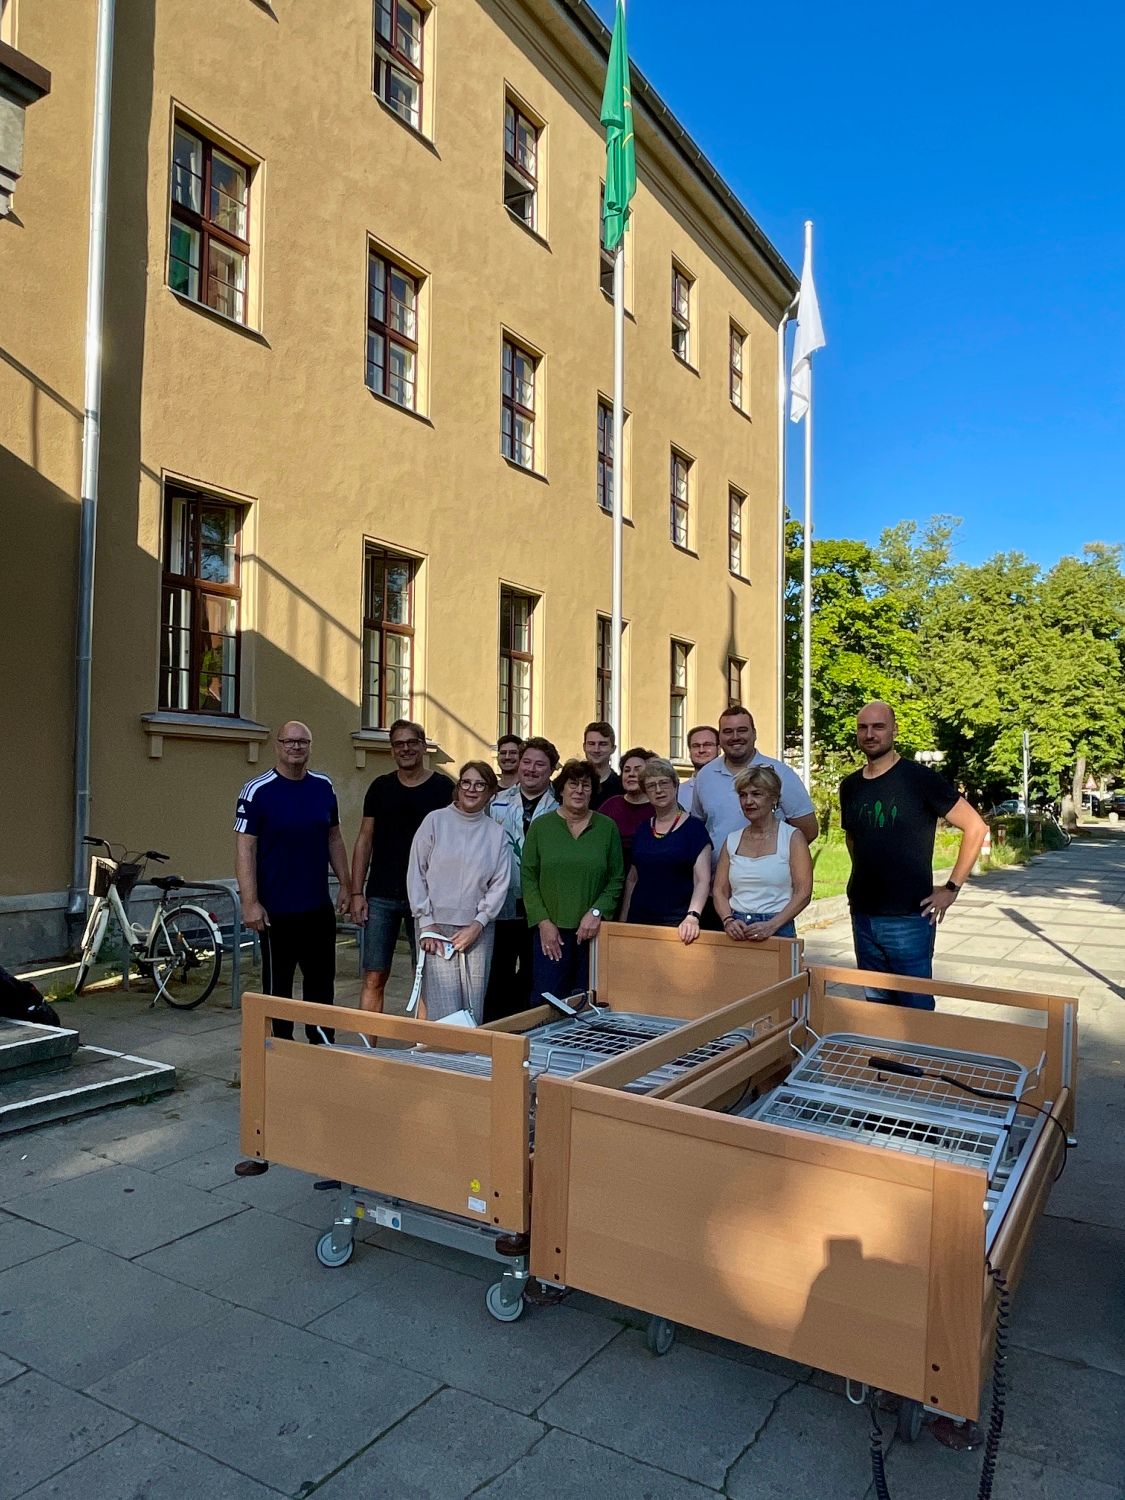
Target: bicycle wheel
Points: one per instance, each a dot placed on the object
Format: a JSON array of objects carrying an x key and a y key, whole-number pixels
[
  {"x": 91, "y": 943},
  {"x": 185, "y": 955}
]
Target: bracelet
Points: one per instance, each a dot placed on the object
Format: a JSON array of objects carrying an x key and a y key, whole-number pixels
[
  {"x": 731, "y": 918},
  {"x": 694, "y": 914}
]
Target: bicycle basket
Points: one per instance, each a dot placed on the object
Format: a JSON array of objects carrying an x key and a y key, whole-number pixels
[
  {"x": 126, "y": 878},
  {"x": 101, "y": 875}
]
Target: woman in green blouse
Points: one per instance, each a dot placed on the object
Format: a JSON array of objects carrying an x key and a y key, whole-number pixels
[{"x": 572, "y": 873}]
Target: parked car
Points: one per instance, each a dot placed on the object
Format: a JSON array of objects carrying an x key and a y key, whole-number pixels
[
  {"x": 1117, "y": 801},
  {"x": 1097, "y": 803},
  {"x": 1010, "y": 807}
]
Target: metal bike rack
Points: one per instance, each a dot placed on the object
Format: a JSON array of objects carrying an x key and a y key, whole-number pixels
[{"x": 217, "y": 888}]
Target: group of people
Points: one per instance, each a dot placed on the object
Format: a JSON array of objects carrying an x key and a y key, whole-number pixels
[{"x": 503, "y": 877}]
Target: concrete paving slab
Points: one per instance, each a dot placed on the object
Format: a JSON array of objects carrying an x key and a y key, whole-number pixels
[
  {"x": 444, "y": 1450},
  {"x": 459, "y": 1261},
  {"x": 430, "y": 1319},
  {"x": 155, "y": 1144},
  {"x": 926, "y": 1470},
  {"x": 820, "y": 1437},
  {"x": 9, "y": 1369},
  {"x": 279, "y": 1188},
  {"x": 146, "y": 1465},
  {"x": 742, "y": 1354},
  {"x": 268, "y": 1264},
  {"x": 20, "y": 1241},
  {"x": 1092, "y": 1330},
  {"x": 44, "y": 1427},
  {"x": 274, "y": 1402},
  {"x": 1065, "y": 1417},
  {"x": 206, "y": 1169},
  {"x": 123, "y": 1311},
  {"x": 36, "y": 1158},
  {"x": 124, "y": 1211},
  {"x": 689, "y": 1412},
  {"x": 565, "y": 1467}
]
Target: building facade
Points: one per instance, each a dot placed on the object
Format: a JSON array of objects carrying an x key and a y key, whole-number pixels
[{"x": 356, "y": 452}]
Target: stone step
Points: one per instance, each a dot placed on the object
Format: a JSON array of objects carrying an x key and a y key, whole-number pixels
[
  {"x": 95, "y": 1078},
  {"x": 27, "y": 1049}
]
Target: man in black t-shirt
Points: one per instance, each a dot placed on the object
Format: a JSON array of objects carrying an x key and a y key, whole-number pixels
[
  {"x": 890, "y": 810},
  {"x": 393, "y": 809}
]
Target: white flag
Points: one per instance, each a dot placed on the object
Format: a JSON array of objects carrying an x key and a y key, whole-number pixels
[{"x": 810, "y": 338}]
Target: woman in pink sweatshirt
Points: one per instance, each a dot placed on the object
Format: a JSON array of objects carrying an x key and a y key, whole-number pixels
[{"x": 456, "y": 882}]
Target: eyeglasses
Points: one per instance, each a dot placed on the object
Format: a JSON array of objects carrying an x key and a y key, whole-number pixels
[
  {"x": 473, "y": 786},
  {"x": 405, "y": 744},
  {"x": 295, "y": 744},
  {"x": 660, "y": 785}
]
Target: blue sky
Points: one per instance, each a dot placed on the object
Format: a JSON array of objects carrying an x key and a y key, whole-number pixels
[{"x": 963, "y": 167}]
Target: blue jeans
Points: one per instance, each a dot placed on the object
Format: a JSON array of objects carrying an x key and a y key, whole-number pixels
[
  {"x": 788, "y": 929},
  {"x": 567, "y": 975},
  {"x": 896, "y": 945}
]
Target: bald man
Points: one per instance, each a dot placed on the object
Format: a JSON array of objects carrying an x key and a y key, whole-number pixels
[
  {"x": 890, "y": 809},
  {"x": 287, "y": 833}
]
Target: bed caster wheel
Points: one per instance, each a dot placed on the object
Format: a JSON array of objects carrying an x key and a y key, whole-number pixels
[
  {"x": 501, "y": 1310},
  {"x": 328, "y": 1255},
  {"x": 909, "y": 1424},
  {"x": 660, "y": 1335}
]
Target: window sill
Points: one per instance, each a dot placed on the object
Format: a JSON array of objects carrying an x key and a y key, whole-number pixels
[
  {"x": 520, "y": 469},
  {"x": 609, "y": 298},
  {"x": 742, "y": 578},
  {"x": 166, "y": 725},
  {"x": 742, "y": 412},
  {"x": 527, "y": 229},
  {"x": 687, "y": 364},
  {"x": 423, "y": 140},
  {"x": 687, "y": 551},
  {"x": 367, "y": 742},
  {"x": 407, "y": 411},
  {"x": 232, "y": 323},
  {"x": 625, "y": 520}
]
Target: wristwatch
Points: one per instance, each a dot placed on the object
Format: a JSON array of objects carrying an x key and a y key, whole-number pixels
[
  {"x": 952, "y": 885},
  {"x": 694, "y": 914},
  {"x": 594, "y": 912}
]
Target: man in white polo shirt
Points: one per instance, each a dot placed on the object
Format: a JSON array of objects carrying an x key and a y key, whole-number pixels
[{"x": 715, "y": 799}]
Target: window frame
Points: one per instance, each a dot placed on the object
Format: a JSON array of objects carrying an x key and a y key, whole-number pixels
[
  {"x": 679, "y": 507},
  {"x": 385, "y": 330},
  {"x": 603, "y": 668},
  {"x": 507, "y": 721},
  {"x": 737, "y": 367},
  {"x": 681, "y": 321},
  {"x": 736, "y": 502},
  {"x": 604, "y": 486},
  {"x": 199, "y": 221},
  {"x": 398, "y": 59},
  {"x": 512, "y": 164},
  {"x": 382, "y": 554},
  {"x": 508, "y": 403},
  {"x": 678, "y": 700},
  {"x": 735, "y": 668},
  {"x": 197, "y": 589}
]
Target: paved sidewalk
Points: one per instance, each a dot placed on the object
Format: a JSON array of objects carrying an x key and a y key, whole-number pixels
[{"x": 165, "y": 1331}]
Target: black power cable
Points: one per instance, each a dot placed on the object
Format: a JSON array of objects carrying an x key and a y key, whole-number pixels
[
  {"x": 999, "y": 1382},
  {"x": 878, "y": 1460}
]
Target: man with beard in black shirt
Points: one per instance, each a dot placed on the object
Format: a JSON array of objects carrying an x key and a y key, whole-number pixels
[{"x": 890, "y": 810}]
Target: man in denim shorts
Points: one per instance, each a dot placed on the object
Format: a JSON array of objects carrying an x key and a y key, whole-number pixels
[{"x": 393, "y": 809}]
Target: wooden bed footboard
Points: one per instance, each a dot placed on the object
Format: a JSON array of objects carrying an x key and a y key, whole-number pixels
[{"x": 449, "y": 1141}]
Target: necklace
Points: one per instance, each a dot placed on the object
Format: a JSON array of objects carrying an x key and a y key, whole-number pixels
[{"x": 671, "y": 828}]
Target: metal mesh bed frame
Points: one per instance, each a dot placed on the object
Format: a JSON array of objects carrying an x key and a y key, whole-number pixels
[{"x": 835, "y": 1090}]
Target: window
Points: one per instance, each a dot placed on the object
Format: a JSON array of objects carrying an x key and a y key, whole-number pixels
[
  {"x": 734, "y": 681},
  {"x": 607, "y": 257},
  {"x": 682, "y": 285},
  {"x": 517, "y": 401},
  {"x": 209, "y": 244},
  {"x": 388, "y": 636},
  {"x": 737, "y": 355},
  {"x": 603, "y": 673},
  {"x": 392, "y": 331},
  {"x": 521, "y": 165},
  {"x": 677, "y": 701},
  {"x": 201, "y": 598},
  {"x": 398, "y": 58},
  {"x": 516, "y": 662},
  {"x": 735, "y": 502},
  {"x": 680, "y": 498},
  {"x": 605, "y": 456}
]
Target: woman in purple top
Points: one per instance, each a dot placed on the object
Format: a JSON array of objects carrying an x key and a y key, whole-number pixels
[
  {"x": 631, "y": 808},
  {"x": 671, "y": 874}
]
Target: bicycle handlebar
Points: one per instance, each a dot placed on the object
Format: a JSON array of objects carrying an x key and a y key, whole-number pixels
[{"x": 125, "y": 856}]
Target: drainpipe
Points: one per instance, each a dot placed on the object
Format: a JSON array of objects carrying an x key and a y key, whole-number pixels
[
  {"x": 789, "y": 312},
  {"x": 91, "y": 450}
]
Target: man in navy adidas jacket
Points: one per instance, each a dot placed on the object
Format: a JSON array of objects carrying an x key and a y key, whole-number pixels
[{"x": 287, "y": 833}]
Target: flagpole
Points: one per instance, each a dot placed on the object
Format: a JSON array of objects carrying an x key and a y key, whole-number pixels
[
  {"x": 616, "y": 626},
  {"x": 806, "y": 592}
]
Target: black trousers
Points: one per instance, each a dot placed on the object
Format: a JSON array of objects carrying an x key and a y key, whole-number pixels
[
  {"x": 509, "y": 979},
  {"x": 304, "y": 940}
]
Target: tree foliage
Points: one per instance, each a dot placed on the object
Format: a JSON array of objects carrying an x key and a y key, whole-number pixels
[{"x": 969, "y": 656}]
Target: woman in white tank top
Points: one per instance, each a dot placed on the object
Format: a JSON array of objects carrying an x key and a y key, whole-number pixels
[{"x": 764, "y": 875}]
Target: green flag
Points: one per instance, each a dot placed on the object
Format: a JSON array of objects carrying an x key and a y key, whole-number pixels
[{"x": 620, "y": 146}]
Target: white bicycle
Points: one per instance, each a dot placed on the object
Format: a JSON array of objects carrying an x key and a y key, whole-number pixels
[{"x": 181, "y": 951}]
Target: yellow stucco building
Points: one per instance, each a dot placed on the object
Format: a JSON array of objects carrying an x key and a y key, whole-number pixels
[{"x": 355, "y": 447}]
